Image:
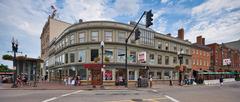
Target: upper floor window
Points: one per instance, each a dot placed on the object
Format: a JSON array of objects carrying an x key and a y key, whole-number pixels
[
  {"x": 186, "y": 61},
  {"x": 81, "y": 37},
  {"x": 120, "y": 55},
  {"x": 66, "y": 41},
  {"x": 94, "y": 54},
  {"x": 167, "y": 46},
  {"x": 121, "y": 36},
  {"x": 159, "y": 45},
  {"x": 133, "y": 57},
  {"x": 82, "y": 56},
  {"x": 72, "y": 39},
  {"x": 159, "y": 59},
  {"x": 94, "y": 36},
  {"x": 108, "y": 36},
  {"x": 175, "y": 47},
  {"x": 72, "y": 57},
  {"x": 187, "y": 51},
  {"x": 167, "y": 60},
  {"x": 175, "y": 60},
  {"x": 151, "y": 57},
  {"x": 146, "y": 38},
  {"x": 108, "y": 55}
]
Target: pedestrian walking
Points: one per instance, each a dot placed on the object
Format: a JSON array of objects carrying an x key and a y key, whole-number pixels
[
  {"x": 221, "y": 80},
  {"x": 170, "y": 81},
  {"x": 150, "y": 81},
  {"x": 65, "y": 80}
]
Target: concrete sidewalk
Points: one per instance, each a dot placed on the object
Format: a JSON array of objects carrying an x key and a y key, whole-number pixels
[{"x": 58, "y": 86}]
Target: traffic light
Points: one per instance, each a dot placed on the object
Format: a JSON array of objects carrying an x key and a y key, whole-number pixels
[
  {"x": 149, "y": 18},
  {"x": 137, "y": 34}
]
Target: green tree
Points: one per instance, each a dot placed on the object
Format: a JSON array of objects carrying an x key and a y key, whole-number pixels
[{"x": 7, "y": 57}]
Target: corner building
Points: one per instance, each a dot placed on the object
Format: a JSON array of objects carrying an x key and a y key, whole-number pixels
[{"x": 79, "y": 46}]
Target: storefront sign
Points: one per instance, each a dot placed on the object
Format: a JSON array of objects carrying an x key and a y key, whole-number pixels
[
  {"x": 142, "y": 56},
  {"x": 226, "y": 61}
]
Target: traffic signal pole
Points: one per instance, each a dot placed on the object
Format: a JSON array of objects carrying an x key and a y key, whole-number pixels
[{"x": 126, "y": 41}]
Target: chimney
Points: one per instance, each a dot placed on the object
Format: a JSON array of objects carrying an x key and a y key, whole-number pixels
[
  {"x": 203, "y": 41},
  {"x": 199, "y": 40},
  {"x": 181, "y": 34}
]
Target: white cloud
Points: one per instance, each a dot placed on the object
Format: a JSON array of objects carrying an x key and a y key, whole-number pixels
[
  {"x": 160, "y": 23},
  {"x": 216, "y": 20},
  {"x": 164, "y": 1},
  {"x": 97, "y": 9},
  {"x": 25, "y": 15}
]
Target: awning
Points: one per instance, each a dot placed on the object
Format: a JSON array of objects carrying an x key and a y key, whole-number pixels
[{"x": 92, "y": 66}]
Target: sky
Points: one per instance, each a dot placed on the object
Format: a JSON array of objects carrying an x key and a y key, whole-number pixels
[{"x": 216, "y": 20}]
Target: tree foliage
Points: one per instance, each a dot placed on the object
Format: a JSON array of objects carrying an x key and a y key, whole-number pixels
[
  {"x": 7, "y": 57},
  {"x": 4, "y": 68}
]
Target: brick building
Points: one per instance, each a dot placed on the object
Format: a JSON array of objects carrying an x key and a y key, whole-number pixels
[
  {"x": 200, "y": 55},
  {"x": 224, "y": 57}
]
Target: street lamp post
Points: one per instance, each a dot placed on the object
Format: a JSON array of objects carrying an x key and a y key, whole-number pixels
[
  {"x": 180, "y": 57},
  {"x": 14, "y": 50},
  {"x": 102, "y": 46}
]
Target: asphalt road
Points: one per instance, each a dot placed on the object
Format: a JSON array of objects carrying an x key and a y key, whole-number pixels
[{"x": 226, "y": 93}]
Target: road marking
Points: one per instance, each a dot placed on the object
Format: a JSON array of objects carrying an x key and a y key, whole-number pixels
[
  {"x": 152, "y": 100},
  {"x": 64, "y": 95},
  {"x": 50, "y": 99},
  {"x": 172, "y": 99}
]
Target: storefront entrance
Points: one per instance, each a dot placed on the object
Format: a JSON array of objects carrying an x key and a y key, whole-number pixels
[
  {"x": 96, "y": 77},
  {"x": 96, "y": 73},
  {"x": 120, "y": 77}
]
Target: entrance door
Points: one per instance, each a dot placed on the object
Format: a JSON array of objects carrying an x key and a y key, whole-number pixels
[
  {"x": 96, "y": 77},
  {"x": 121, "y": 77}
]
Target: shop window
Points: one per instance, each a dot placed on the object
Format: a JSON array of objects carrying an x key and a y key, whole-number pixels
[
  {"x": 82, "y": 73},
  {"x": 151, "y": 74},
  {"x": 108, "y": 74},
  {"x": 166, "y": 74},
  {"x": 159, "y": 75},
  {"x": 131, "y": 75}
]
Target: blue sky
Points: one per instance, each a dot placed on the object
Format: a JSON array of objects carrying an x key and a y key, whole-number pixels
[{"x": 216, "y": 20}]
